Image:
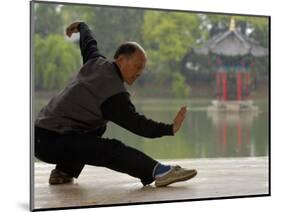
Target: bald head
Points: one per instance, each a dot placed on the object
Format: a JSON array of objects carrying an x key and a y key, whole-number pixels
[
  {"x": 130, "y": 58},
  {"x": 128, "y": 49}
]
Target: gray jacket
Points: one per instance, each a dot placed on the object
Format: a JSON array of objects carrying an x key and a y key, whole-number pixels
[{"x": 77, "y": 107}]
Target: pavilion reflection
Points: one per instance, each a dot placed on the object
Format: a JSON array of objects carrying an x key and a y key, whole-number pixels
[{"x": 238, "y": 125}]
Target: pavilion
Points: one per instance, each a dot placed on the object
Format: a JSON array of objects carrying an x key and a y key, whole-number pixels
[{"x": 233, "y": 55}]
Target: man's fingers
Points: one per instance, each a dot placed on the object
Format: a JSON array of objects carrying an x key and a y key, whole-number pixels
[
  {"x": 181, "y": 115},
  {"x": 71, "y": 29},
  {"x": 68, "y": 32},
  {"x": 182, "y": 111},
  {"x": 179, "y": 118}
]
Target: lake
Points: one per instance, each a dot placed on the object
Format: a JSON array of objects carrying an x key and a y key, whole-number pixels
[{"x": 203, "y": 134}]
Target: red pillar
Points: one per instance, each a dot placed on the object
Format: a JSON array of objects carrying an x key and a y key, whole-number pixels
[
  {"x": 239, "y": 85},
  {"x": 224, "y": 85},
  {"x": 218, "y": 85},
  {"x": 247, "y": 84}
]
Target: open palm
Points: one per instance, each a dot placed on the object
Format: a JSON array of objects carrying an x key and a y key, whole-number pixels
[{"x": 179, "y": 119}]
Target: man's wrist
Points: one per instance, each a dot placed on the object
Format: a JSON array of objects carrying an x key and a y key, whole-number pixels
[
  {"x": 172, "y": 130},
  {"x": 79, "y": 25}
]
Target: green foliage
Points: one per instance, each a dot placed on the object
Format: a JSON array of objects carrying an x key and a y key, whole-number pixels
[
  {"x": 47, "y": 19},
  {"x": 73, "y": 13},
  {"x": 168, "y": 36},
  {"x": 260, "y": 30},
  {"x": 114, "y": 26},
  {"x": 56, "y": 60},
  {"x": 179, "y": 87}
]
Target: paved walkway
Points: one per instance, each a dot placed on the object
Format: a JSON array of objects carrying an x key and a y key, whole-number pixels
[{"x": 216, "y": 178}]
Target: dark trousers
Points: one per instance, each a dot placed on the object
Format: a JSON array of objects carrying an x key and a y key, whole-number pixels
[{"x": 72, "y": 151}]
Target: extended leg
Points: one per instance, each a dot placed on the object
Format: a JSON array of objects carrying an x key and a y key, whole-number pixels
[
  {"x": 113, "y": 154},
  {"x": 94, "y": 150}
]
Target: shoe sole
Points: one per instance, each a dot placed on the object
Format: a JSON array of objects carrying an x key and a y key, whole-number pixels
[
  {"x": 193, "y": 174},
  {"x": 59, "y": 181}
]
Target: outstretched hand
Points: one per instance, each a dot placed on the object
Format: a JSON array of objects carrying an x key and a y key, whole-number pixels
[
  {"x": 72, "y": 28},
  {"x": 179, "y": 119}
]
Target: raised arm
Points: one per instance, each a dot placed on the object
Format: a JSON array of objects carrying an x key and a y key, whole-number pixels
[{"x": 88, "y": 44}]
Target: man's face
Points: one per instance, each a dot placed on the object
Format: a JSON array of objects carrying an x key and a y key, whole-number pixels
[{"x": 133, "y": 66}]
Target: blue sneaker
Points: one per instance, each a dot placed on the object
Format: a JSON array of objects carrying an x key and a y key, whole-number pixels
[{"x": 176, "y": 174}]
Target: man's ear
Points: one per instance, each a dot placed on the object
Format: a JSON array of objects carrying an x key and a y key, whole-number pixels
[
  {"x": 119, "y": 59},
  {"x": 122, "y": 59}
]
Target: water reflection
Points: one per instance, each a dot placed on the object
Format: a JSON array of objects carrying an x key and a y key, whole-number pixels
[
  {"x": 203, "y": 134},
  {"x": 239, "y": 122}
]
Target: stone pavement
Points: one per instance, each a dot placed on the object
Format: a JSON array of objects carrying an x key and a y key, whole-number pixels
[{"x": 218, "y": 177}]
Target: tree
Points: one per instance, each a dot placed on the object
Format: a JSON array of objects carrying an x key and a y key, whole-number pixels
[
  {"x": 167, "y": 37},
  {"x": 56, "y": 60},
  {"x": 73, "y": 13},
  {"x": 179, "y": 87},
  {"x": 114, "y": 26},
  {"x": 47, "y": 19}
]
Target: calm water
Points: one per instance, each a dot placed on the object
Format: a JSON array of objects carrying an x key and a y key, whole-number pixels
[{"x": 202, "y": 135}]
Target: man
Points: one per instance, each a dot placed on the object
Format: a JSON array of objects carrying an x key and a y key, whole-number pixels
[{"x": 69, "y": 129}]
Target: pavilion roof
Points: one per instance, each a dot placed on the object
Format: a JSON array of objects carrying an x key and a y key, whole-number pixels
[{"x": 232, "y": 43}]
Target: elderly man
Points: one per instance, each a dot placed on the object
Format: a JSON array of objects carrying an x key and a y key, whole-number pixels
[{"x": 69, "y": 129}]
